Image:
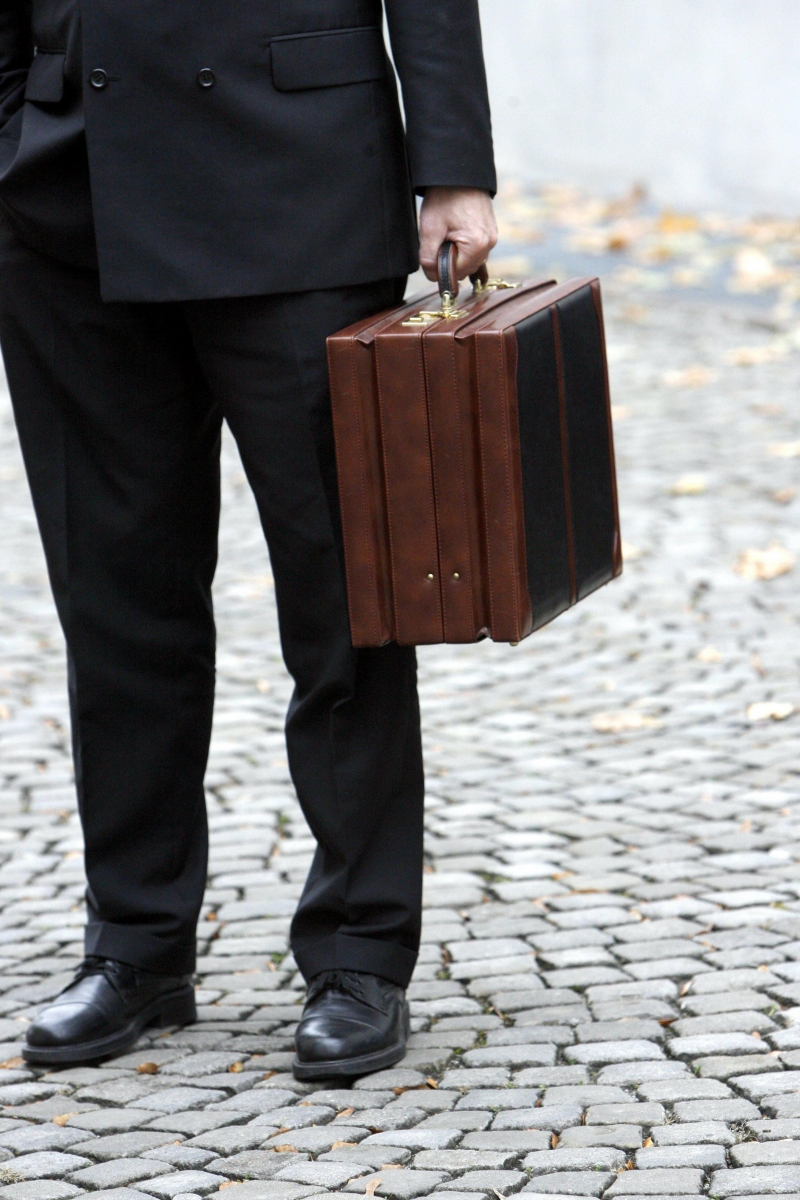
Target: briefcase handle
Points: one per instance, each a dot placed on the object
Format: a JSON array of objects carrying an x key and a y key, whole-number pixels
[{"x": 448, "y": 279}]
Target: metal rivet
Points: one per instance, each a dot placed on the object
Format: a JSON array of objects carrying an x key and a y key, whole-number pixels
[
  {"x": 98, "y": 78},
  {"x": 430, "y": 575},
  {"x": 206, "y": 77},
  {"x": 456, "y": 575}
]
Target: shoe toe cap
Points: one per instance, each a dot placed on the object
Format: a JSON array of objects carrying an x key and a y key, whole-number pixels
[
  {"x": 64, "y": 1024},
  {"x": 331, "y": 1040}
]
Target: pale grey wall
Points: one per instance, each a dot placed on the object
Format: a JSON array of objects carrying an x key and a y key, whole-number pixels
[{"x": 697, "y": 99}]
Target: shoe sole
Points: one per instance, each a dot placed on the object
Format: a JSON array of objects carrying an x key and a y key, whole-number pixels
[
  {"x": 348, "y": 1068},
  {"x": 176, "y": 1008}
]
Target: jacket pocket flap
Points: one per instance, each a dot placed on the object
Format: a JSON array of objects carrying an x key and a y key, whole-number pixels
[
  {"x": 327, "y": 59},
  {"x": 45, "y": 83}
]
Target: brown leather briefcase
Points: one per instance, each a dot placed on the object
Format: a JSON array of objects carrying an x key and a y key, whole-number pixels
[{"x": 475, "y": 461}]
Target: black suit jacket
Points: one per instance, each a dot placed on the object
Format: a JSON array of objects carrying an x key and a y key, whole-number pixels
[{"x": 236, "y": 147}]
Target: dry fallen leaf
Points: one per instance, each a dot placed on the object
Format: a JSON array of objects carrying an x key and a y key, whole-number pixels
[
  {"x": 753, "y": 356},
  {"x": 346, "y": 1112},
  {"x": 148, "y": 1068},
  {"x": 236, "y": 1067},
  {"x": 784, "y": 449},
  {"x": 62, "y": 1118},
  {"x": 431, "y": 1082},
  {"x": 648, "y": 1142},
  {"x": 765, "y": 564},
  {"x": 338, "y": 1145},
  {"x": 373, "y": 1186},
  {"x": 689, "y": 485},
  {"x": 622, "y": 721},
  {"x": 230, "y": 1183},
  {"x": 755, "y": 271},
  {"x": 689, "y": 377},
  {"x": 785, "y": 495},
  {"x": 671, "y": 222},
  {"x": 285, "y": 1149},
  {"x": 769, "y": 710},
  {"x": 553, "y": 1140},
  {"x": 11, "y": 1063},
  {"x": 709, "y": 654}
]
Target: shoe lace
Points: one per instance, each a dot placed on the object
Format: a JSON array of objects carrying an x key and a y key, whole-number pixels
[
  {"x": 112, "y": 970},
  {"x": 348, "y": 982}
]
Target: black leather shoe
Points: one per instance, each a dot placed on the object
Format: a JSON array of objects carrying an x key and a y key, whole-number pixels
[
  {"x": 352, "y": 1024},
  {"x": 104, "y": 1010}
]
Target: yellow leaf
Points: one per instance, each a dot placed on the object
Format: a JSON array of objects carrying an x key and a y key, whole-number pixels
[
  {"x": 670, "y": 222},
  {"x": 769, "y": 710},
  {"x": 690, "y": 377},
  {"x": 623, "y": 721},
  {"x": 754, "y": 356},
  {"x": 709, "y": 654},
  {"x": 784, "y": 449},
  {"x": 765, "y": 564},
  {"x": 11, "y": 1063},
  {"x": 62, "y": 1118},
  {"x": 236, "y": 1067},
  {"x": 689, "y": 485}
]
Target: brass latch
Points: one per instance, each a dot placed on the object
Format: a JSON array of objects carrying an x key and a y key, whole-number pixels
[
  {"x": 492, "y": 285},
  {"x": 448, "y": 312}
]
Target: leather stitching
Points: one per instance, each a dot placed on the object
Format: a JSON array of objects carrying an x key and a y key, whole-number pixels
[
  {"x": 598, "y": 308},
  {"x": 562, "y": 407}
]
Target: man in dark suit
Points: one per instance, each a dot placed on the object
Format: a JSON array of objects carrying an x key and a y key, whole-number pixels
[{"x": 192, "y": 197}]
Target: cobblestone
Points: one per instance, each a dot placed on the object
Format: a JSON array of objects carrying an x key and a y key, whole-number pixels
[{"x": 608, "y": 996}]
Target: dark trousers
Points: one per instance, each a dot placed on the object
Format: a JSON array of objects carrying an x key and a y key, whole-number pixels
[{"x": 119, "y": 410}]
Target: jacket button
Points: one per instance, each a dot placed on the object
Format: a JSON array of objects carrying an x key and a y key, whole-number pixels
[
  {"x": 98, "y": 79},
  {"x": 206, "y": 78}
]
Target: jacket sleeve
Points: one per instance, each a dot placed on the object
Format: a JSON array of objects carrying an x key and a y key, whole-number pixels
[
  {"x": 16, "y": 53},
  {"x": 436, "y": 45}
]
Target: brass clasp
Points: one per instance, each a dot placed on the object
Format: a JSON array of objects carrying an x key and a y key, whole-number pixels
[
  {"x": 492, "y": 285},
  {"x": 448, "y": 312}
]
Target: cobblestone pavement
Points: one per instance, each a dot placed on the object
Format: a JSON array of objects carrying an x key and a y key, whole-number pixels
[{"x": 608, "y": 996}]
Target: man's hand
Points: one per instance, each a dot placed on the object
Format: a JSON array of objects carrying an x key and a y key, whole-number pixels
[{"x": 461, "y": 215}]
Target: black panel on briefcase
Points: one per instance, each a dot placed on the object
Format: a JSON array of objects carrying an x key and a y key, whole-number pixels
[{"x": 571, "y": 524}]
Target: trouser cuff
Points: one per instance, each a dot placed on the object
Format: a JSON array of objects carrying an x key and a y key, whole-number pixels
[
  {"x": 388, "y": 959},
  {"x": 140, "y": 948}
]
